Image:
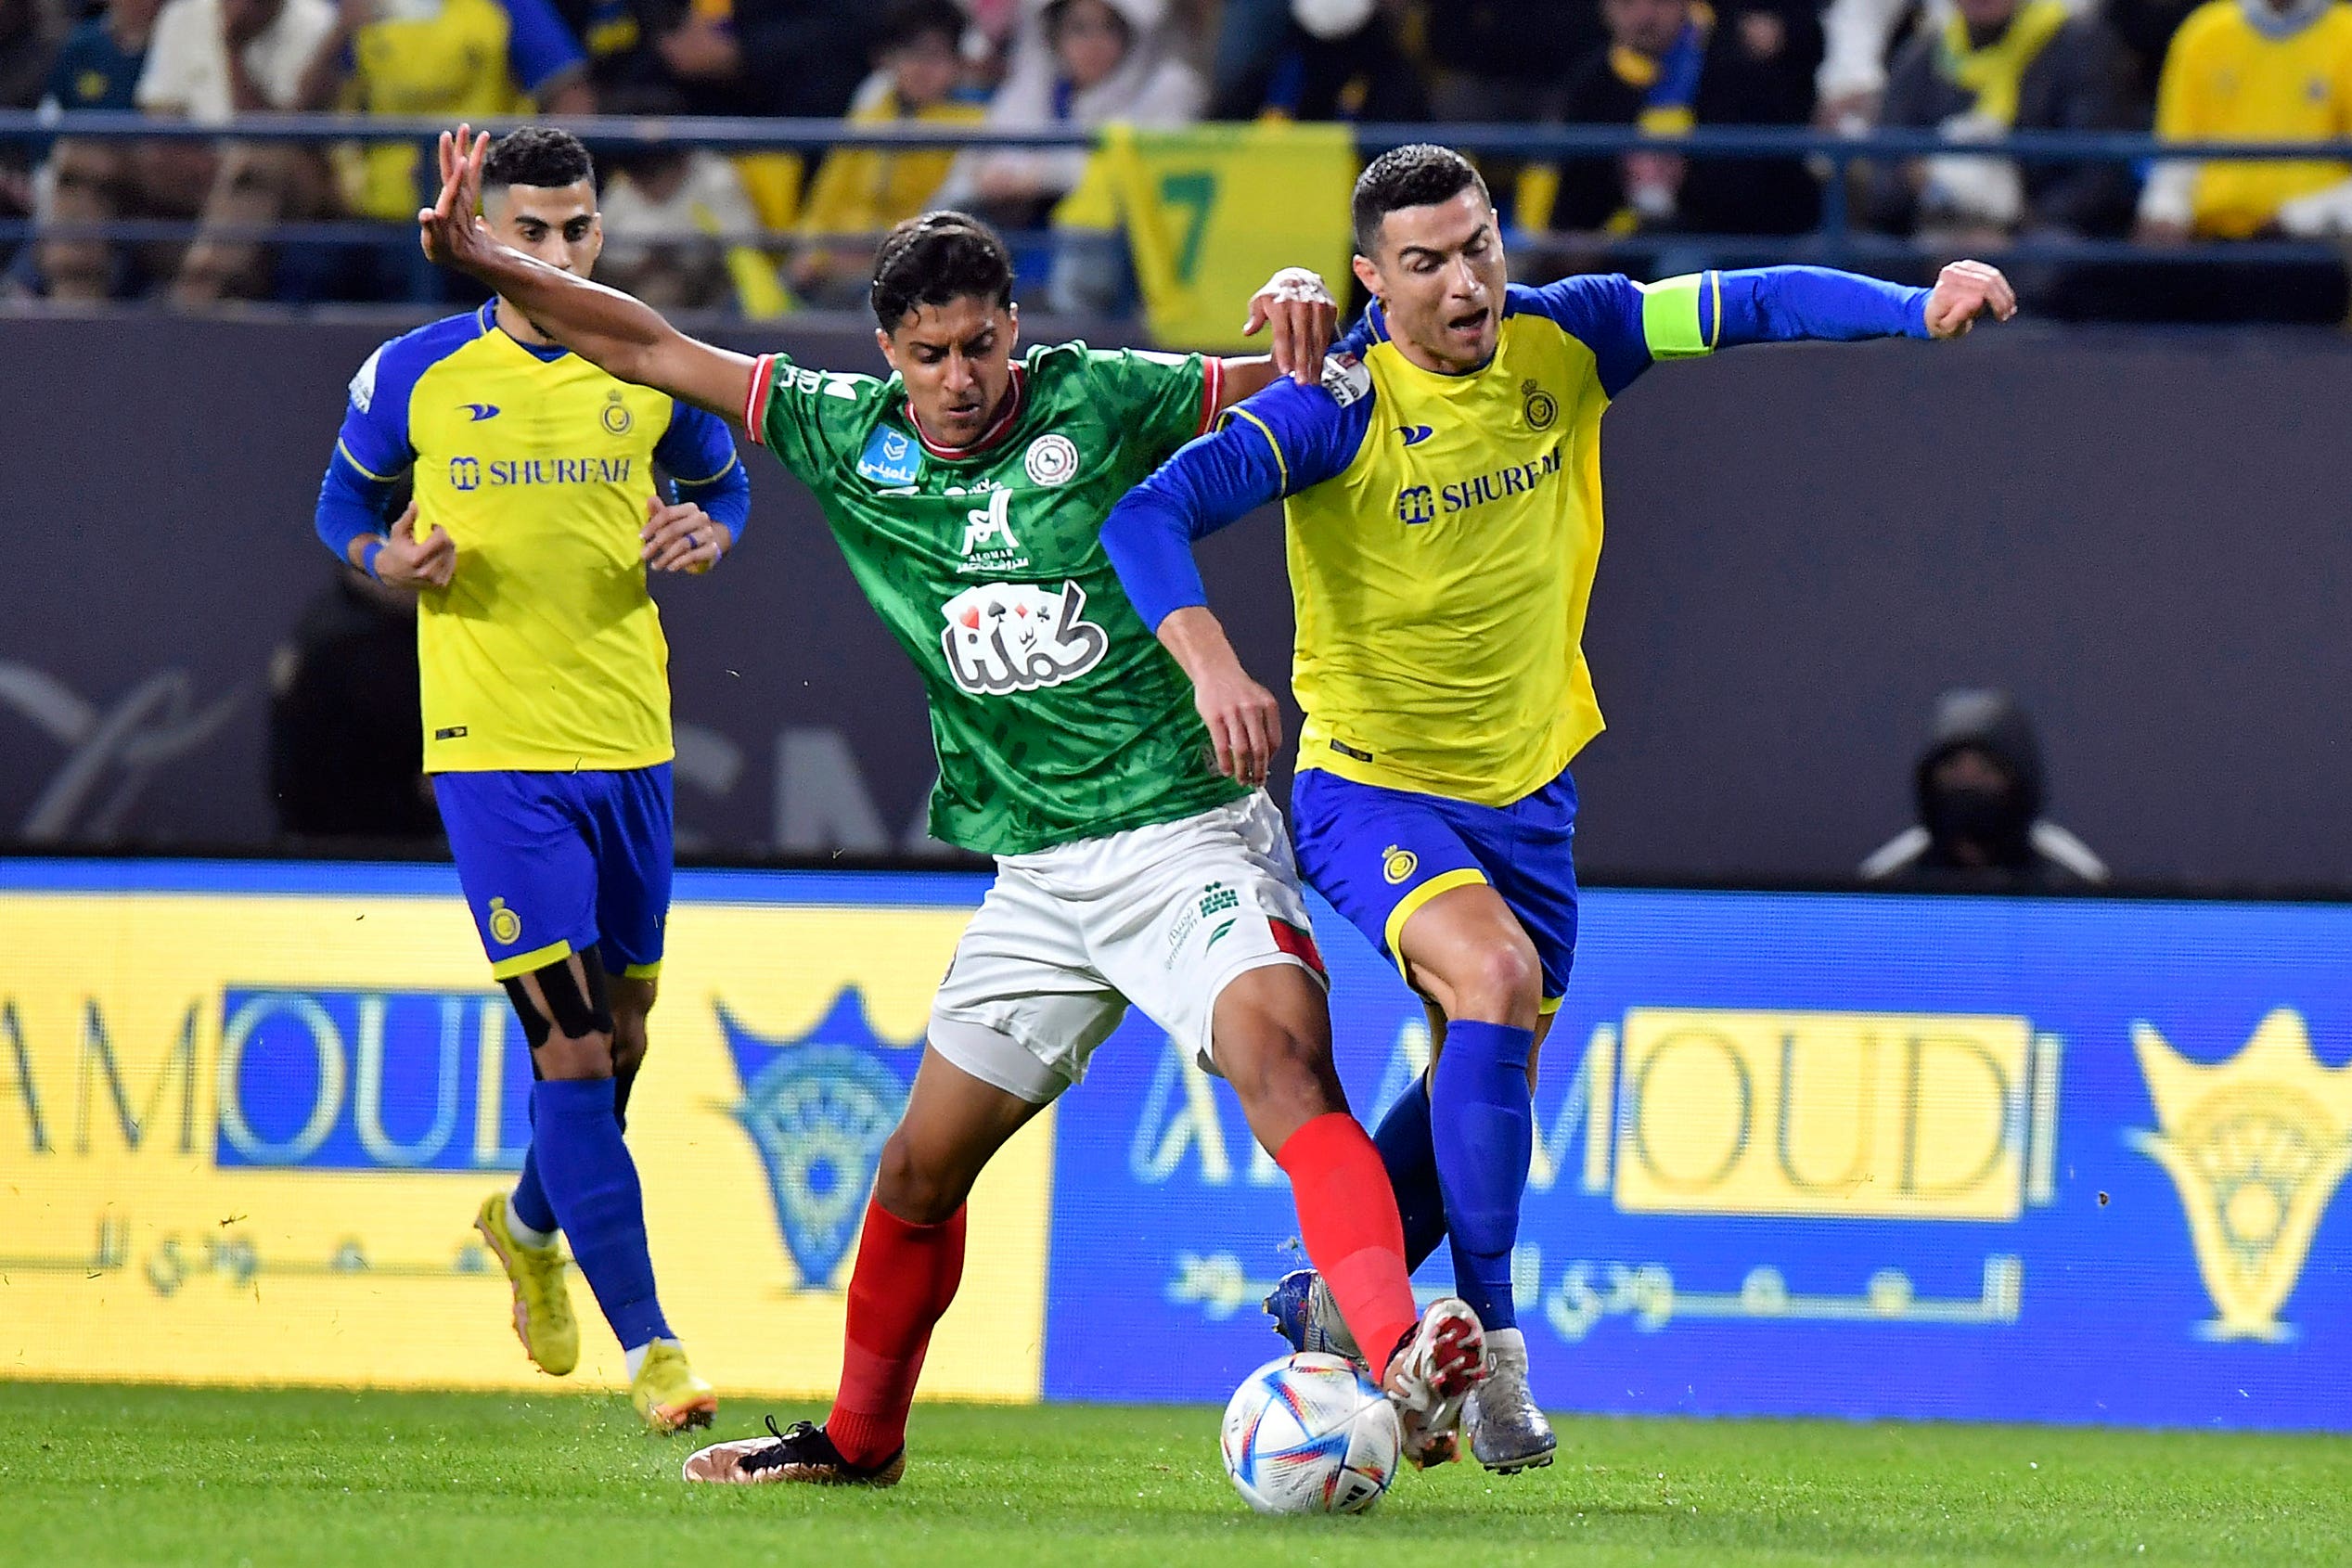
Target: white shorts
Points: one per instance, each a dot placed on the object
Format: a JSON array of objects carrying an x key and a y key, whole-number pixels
[{"x": 1162, "y": 917}]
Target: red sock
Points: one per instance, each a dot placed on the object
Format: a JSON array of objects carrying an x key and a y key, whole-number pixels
[
  {"x": 905, "y": 1278},
  {"x": 1347, "y": 1217}
]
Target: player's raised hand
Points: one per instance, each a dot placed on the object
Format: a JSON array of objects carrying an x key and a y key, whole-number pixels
[
  {"x": 682, "y": 538},
  {"x": 451, "y": 229},
  {"x": 406, "y": 561},
  {"x": 1304, "y": 318},
  {"x": 1965, "y": 290}
]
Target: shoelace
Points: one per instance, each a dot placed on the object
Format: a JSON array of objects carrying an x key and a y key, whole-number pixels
[{"x": 778, "y": 1453}]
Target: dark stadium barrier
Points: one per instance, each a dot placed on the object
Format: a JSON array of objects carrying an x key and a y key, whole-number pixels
[
  {"x": 1824, "y": 1154},
  {"x": 2140, "y": 535}
]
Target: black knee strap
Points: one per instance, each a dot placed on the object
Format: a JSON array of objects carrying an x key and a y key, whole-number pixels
[{"x": 577, "y": 1013}]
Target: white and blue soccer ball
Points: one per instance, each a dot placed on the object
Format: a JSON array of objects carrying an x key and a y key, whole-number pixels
[{"x": 1310, "y": 1433}]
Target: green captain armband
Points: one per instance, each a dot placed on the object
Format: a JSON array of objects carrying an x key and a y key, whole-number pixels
[{"x": 1682, "y": 318}]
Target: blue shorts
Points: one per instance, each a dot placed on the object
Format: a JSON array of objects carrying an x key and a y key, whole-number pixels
[
  {"x": 559, "y": 863},
  {"x": 1378, "y": 855}
]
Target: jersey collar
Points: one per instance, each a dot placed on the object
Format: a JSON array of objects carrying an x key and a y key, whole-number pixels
[
  {"x": 487, "y": 316},
  {"x": 1376, "y": 327},
  {"x": 997, "y": 427}
]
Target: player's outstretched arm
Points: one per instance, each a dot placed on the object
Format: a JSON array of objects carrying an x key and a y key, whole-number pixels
[
  {"x": 623, "y": 336},
  {"x": 1817, "y": 304},
  {"x": 1210, "y": 485}
]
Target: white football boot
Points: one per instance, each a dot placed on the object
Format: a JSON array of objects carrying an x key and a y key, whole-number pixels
[
  {"x": 1433, "y": 1370},
  {"x": 1508, "y": 1432}
]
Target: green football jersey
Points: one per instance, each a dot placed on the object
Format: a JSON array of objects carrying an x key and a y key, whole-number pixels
[{"x": 1056, "y": 714}]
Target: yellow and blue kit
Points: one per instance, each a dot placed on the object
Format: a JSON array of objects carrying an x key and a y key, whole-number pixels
[
  {"x": 544, "y": 672},
  {"x": 1443, "y": 535}
]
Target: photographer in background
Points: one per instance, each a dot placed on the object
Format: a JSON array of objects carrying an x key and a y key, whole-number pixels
[{"x": 1980, "y": 790}]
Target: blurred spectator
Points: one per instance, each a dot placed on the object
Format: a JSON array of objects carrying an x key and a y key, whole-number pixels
[
  {"x": 664, "y": 211},
  {"x": 24, "y": 72},
  {"x": 208, "y": 61},
  {"x": 1998, "y": 66},
  {"x": 2143, "y": 31},
  {"x": 1334, "y": 59},
  {"x": 800, "y": 58},
  {"x": 2253, "y": 70},
  {"x": 1668, "y": 68},
  {"x": 98, "y": 68},
  {"x": 1501, "y": 60},
  {"x": 1858, "y": 36},
  {"x": 862, "y": 191},
  {"x": 1077, "y": 64},
  {"x": 1979, "y": 788},
  {"x": 346, "y": 733},
  {"x": 442, "y": 59},
  {"x": 617, "y": 36}
]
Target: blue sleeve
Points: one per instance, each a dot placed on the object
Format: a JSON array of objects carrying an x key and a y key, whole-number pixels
[
  {"x": 1276, "y": 444},
  {"x": 1603, "y": 311},
  {"x": 539, "y": 46},
  {"x": 698, "y": 451},
  {"x": 351, "y": 504},
  {"x": 1630, "y": 327},
  {"x": 371, "y": 450},
  {"x": 1801, "y": 304}
]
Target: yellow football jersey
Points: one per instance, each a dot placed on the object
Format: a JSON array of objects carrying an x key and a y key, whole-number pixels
[
  {"x": 546, "y": 652},
  {"x": 1444, "y": 529},
  {"x": 2225, "y": 81}
]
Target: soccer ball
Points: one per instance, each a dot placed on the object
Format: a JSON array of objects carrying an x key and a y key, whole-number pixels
[{"x": 1310, "y": 1433}]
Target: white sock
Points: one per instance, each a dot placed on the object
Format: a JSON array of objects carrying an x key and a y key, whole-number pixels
[
  {"x": 522, "y": 1232},
  {"x": 1508, "y": 1345},
  {"x": 633, "y": 1357}
]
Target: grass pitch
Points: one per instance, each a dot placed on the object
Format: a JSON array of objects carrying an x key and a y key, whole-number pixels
[{"x": 94, "y": 1475}]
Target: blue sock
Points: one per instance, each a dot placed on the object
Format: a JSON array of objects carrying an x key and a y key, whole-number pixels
[
  {"x": 593, "y": 1185},
  {"x": 1404, "y": 1142},
  {"x": 530, "y": 1203},
  {"x": 1483, "y": 1129}
]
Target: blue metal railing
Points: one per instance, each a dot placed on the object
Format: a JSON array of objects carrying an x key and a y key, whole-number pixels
[{"x": 1837, "y": 237}]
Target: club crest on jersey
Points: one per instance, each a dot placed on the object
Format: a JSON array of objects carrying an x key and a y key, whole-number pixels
[
  {"x": 891, "y": 459},
  {"x": 818, "y": 1108},
  {"x": 616, "y": 417},
  {"x": 1051, "y": 459},
  {"x": 1539, "y": 405},
  {"x": 1003, "y": 638}
]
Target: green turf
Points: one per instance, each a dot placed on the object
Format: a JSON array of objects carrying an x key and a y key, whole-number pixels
[{"x": 97, "y": 1476}]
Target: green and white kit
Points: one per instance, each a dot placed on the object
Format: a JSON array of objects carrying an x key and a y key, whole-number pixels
[{"x": 1068, "y": 744}]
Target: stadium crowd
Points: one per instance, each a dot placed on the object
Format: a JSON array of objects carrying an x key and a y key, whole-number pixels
[{"x": 693, "y": 227}]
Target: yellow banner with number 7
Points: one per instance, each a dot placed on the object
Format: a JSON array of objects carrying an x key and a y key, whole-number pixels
[{"x": 1213, "y": 211}]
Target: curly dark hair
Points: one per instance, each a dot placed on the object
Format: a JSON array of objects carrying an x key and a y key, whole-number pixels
[
  {"x": 536, "y": 155},
  {"x": 933, "y": 258},
  {"x": 1419, "y": 175}
]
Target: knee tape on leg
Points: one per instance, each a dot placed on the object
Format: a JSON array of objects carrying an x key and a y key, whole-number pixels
[{"x": 577, "y": 1013}]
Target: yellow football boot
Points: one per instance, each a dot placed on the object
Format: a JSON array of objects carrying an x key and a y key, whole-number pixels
[
  {"x": 550, "y": 1335},
  {"x": 668, "y": 1395}
]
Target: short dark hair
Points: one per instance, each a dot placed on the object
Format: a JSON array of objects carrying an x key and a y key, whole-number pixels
[
  {"x": 537, "y": 155},
  {"x": 1419, "y": 175},
  {"x": 908, "y": 20},
  {"x": 936, "y": 258}
]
